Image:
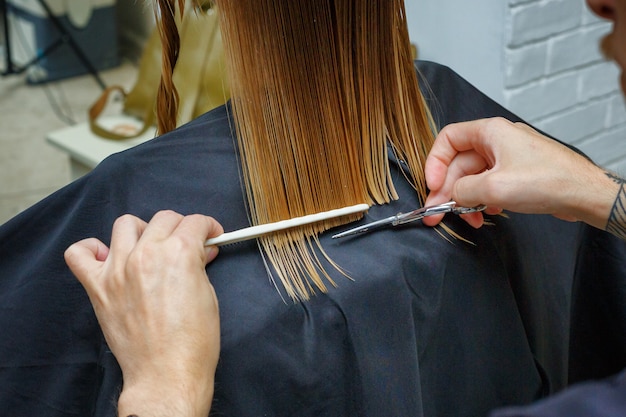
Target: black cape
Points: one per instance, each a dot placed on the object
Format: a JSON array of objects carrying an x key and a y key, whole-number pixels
[{"x": 428, "y": 327}]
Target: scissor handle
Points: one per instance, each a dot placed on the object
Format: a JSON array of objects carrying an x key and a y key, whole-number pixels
[
  {"x": 449, "y": 207},
  {"x": 465, "y": 210},
  {"x": 402, "y": 218},
  {"x": 420, "y": 213}
]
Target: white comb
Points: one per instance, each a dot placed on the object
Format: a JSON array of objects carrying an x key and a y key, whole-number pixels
[{"x": 263, "y": 229}]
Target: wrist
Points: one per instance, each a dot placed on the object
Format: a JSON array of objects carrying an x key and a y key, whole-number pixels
[
  {"x": 595, "y": 197},
  {"x": 153, "y": 398}
]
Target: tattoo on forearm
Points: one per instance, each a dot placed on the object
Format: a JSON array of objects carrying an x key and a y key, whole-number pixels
[{"x": 617, "y": 219}]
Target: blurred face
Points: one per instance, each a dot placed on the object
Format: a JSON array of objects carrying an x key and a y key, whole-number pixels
[{"x": 614, "y": 44}]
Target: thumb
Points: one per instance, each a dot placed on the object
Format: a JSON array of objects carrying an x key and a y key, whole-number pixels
[
  {"x": 85, "y": 259},
  {"x": 469, "y": 191}
]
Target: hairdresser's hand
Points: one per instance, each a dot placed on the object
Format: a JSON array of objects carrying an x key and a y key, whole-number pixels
[
  {"x": 157, "y": 309},
  {"x": 511, "y": 166}
]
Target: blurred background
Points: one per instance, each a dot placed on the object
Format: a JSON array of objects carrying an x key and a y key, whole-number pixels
[{"x": 539, "y": 58}]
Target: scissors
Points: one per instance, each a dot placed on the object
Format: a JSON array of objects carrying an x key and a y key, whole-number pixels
[{"x": 403, "y": 218}]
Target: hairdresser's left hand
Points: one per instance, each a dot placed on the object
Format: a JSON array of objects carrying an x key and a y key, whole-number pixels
[{"x": 157, "y": 309}]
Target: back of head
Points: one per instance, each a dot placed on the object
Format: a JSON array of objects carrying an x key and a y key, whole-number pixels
[{"x": 319, "y": 90}]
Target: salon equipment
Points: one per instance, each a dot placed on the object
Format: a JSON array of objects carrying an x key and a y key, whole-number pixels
[
  {"x": 199, "y": 78},
  {"x": 263, "y": 229},
  {"x": 77, "y": 32},
  {"x": 403, "y": 218}
]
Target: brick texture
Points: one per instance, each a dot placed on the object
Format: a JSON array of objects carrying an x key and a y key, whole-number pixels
[
  {"x": 556, "y": 78},
  {"x": 539, "y": 58}
]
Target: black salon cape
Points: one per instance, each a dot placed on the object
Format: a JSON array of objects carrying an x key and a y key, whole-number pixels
[{"x": 427, "y": 327}]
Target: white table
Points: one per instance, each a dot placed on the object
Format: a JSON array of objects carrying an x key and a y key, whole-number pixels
[{"x": 86, "y": 150}]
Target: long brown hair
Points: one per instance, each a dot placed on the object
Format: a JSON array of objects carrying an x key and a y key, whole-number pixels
[
  {"x": 319, "y": 89},
  {"x": 167, "y": 95}
]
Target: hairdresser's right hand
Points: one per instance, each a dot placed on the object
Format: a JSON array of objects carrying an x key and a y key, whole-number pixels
[
  {"x": 511, "y": 166},
  {"x": 157, "y": 309}
]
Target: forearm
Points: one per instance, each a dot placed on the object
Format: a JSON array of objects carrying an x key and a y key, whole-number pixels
[
  {"x": 616, "y": 223},
  {"x": 601, "y": 202}
]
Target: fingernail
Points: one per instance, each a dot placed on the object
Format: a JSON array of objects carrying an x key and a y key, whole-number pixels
[{"x": 212, "y": 252}]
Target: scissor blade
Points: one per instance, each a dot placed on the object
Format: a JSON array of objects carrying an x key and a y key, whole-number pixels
[
  {"x": 411, "y": 216},
  {"x": 400, "y": 218},
  {"x": 367, "y": 227}
]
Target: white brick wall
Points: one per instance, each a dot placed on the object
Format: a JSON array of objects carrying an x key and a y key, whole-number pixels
[{"x": 539, "y": 58}]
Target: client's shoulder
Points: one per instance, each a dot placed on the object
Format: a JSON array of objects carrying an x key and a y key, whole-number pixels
[{"x": 452, "y": 98}]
